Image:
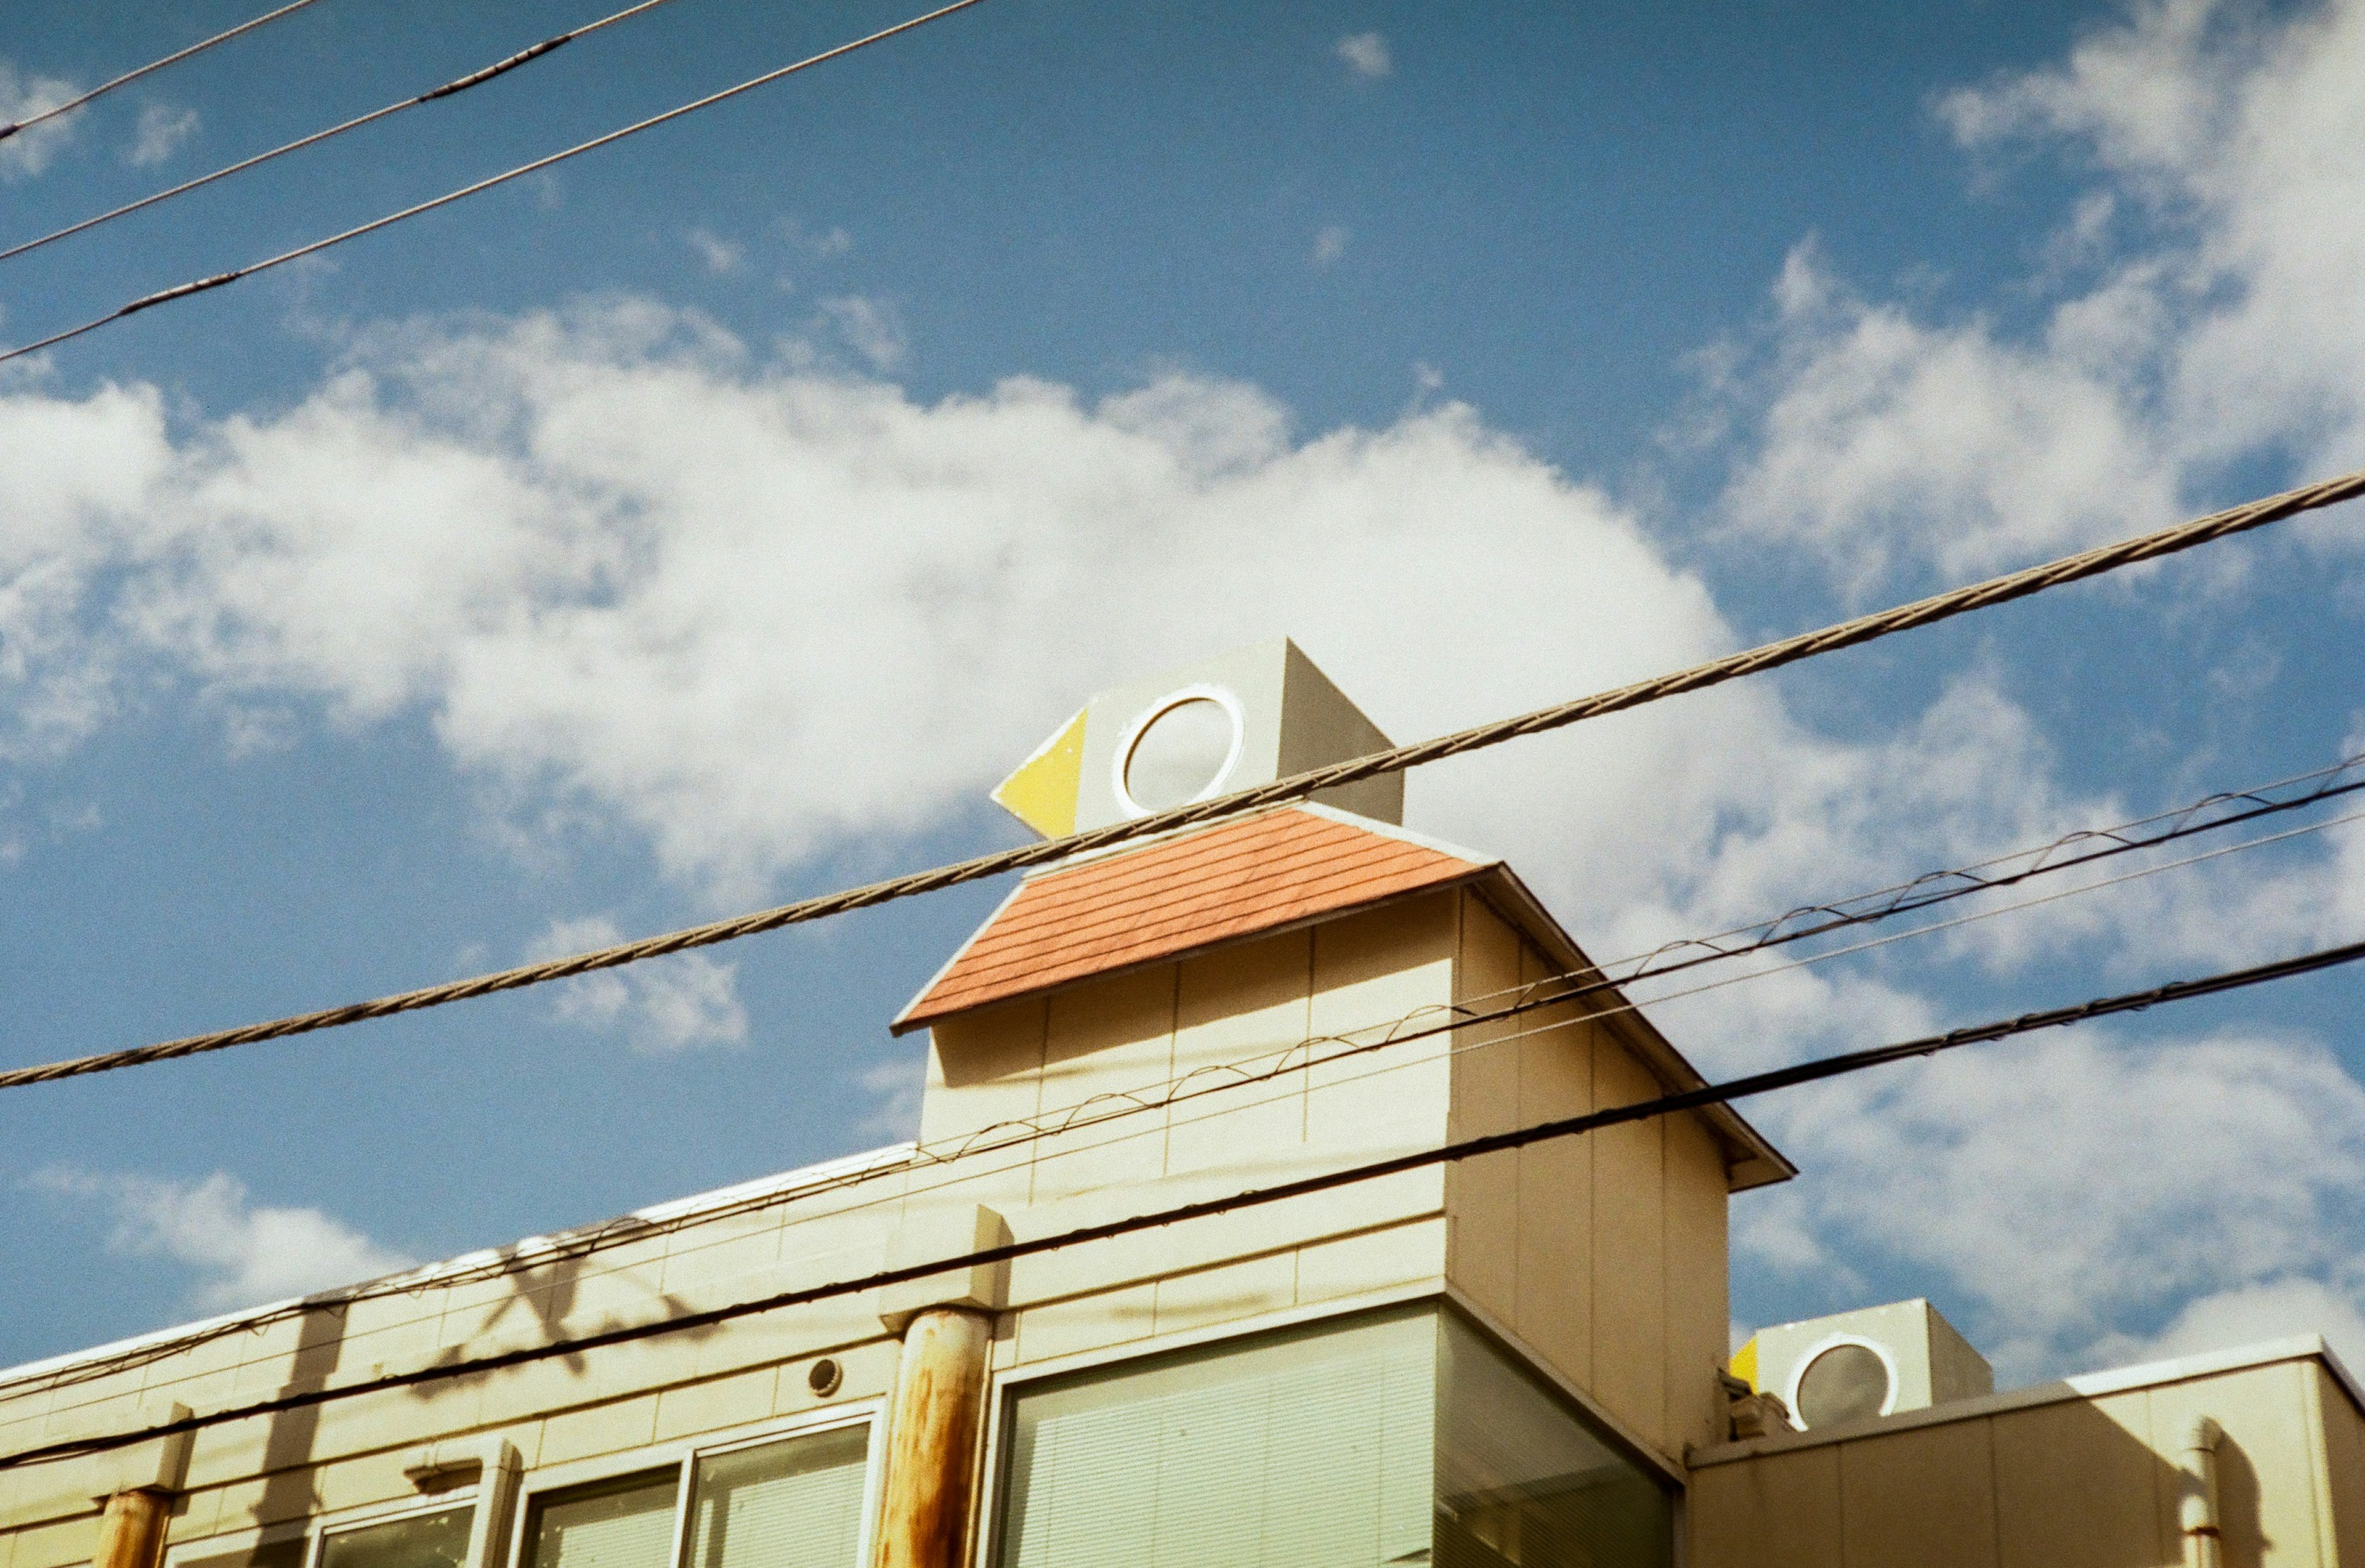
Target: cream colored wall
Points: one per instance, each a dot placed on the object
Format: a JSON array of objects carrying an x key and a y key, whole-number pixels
[
  {"x": 1607, "y": 1253},
  {"x": 351, "y": 1454},
  {"x": 1176, "y": 1028},
  {"x": 2075, "y": 1483}
]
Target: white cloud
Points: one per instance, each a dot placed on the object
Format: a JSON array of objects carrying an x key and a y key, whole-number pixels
[
  {"x": 243, "y": 1253},
  {"x": 2246, "y": 1314},
  {"x": 2226, "y": 147},
  {"x": 872, "y": 328},
  {"x": 1366, "y": 54},
  {"x": 662, "y": 1005},
  {"x": 720, "y": 256},
  {"x": 1329, "y": 244},
  {"x": 2056, "y": 1188},
  {"x": 27, "y": 153},
  {"x": 160, "y": 133},
  {"x": 760, "y": 613}
]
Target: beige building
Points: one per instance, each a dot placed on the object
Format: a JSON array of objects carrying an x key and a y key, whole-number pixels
[{"x": 1514, "y": 1359}]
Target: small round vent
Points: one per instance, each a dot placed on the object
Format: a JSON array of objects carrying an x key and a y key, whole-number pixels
[{"x": 1847, "y": 1383}]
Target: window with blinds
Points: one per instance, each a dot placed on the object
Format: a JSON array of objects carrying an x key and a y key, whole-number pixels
[
  {"x": 625, "y": 1523},
  {"x": 1309, "y": 1450},
  {"x": 423, "y": 1540},
  {"x": 796, "y": 1503}
]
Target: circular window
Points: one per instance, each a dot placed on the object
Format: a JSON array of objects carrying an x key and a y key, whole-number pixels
[
  {"x": 1180, "y": 752},
  {"x": 1847, "y": 1383}
]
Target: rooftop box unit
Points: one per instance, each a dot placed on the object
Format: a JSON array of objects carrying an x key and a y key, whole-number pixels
[{"x": 1873, "y": 1361}]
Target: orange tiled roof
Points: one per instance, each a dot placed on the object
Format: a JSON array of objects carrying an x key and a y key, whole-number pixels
[{"x": 1144, "y": 905}]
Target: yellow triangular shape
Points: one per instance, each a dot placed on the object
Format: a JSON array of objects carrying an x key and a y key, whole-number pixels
[
  {"x": 1042, "y": 791},
  {"x": 1744, "y": 1363}
]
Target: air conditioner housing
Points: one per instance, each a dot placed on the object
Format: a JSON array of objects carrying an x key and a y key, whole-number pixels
[{"x": 1875, "y": 1361}]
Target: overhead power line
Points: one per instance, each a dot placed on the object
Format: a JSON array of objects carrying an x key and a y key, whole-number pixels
[
  {"x": 1698, "y": 678},
  {"x": 1742, "y": 1088},
  {"x": 200, "y": 285},
  {"x": 1005, "y": 1137},
  {"x": 1422, "y": 1022},
  {"x": 129, "y": 76},
  {"x": 458, "y": 85}
]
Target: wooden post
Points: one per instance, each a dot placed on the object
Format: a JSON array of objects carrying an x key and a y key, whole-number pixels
[
  {"x": 931, "y": 1439},
  {"x": 131, "y": 1531}
]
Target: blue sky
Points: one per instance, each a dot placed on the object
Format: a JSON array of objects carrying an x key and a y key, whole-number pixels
[{"x": 714, "y": 519}]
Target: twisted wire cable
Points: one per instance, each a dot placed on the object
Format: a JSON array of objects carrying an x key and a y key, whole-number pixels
[
  {"x": 1819, "y": 1069},
  {"x": 1698, "y": 678},
  {"x": 219, "y": 280},
  {"x": 1420, "y": 1023},
  {"x": 130, "y": 76},
  {"x": 458, "y": 85}
]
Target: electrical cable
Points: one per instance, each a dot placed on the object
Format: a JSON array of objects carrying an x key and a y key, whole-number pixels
[
  {"x": 459, "y": 85},
  {"x": 1460, "y": 1018},
  {"x": 129, "y": 76},
  {"x": 200, "y": 285},
  {"x": 2286, "y": 794},
  {"x": 1766, "y": 657},
  {"x": 1746, "y": 1087}
]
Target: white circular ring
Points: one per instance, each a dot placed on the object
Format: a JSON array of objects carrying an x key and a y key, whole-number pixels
[
  {"x": 1833, "y": 1342},
  {"x": 1222, "y": 696}
]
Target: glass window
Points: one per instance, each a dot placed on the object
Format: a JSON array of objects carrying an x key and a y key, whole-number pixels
[
  {"x": 796, "y": 1503},
  {"x": 1398, "y": 1439},
  {"x": 1521, "y": 1480},
  {"x": 1310, "y": 1450},
  {"x": 626, "y": 1523},
  {"x": 423, "y": 1540}
]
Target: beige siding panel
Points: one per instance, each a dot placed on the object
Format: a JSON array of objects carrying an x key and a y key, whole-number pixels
[
  {"x": 1482, "y": 1196},
  {"x": 598, "y": 1429},
  {"x": 995, "y": 1062},
  {"x": 1407, "y": 1254},
  {"x": 367, "y": 1479},
  {"x": 701, "y": 1407},
  {"x": 55, "y": 1545},
  {"x": 1370, "y": 972},
  {"x": 983, "y": 1068},
  {"x": 1699, "y": 1315},
  {"x": 2078, "y": 1486},
  {"x": 1629, "y": 1372},
  {"x": 2344, "y": 1446},
  {"x": 1555, "y": 1288},
  {"x": 1089, "y": 1322},
  {"x": 1781, "y": 1511},
  {"x": 1236, "y": 1006},
  {"x": 1107, "y": 1036},
  {"x": 2265, "y": 1495},
  {"x": 1208, "y": 1296},
  {"x": 1947, "y": 1473}
]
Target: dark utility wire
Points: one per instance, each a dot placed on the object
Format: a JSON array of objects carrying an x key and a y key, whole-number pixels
[
  {"x": 1467, "y": 1148},
  {"x": 1698, "y": 678},
  {"x": 199, "y": 286},
  {"x": 1550, "y": 991},
  {"x": 72, "y": 103},
  {"x": 461, "y": 85}
]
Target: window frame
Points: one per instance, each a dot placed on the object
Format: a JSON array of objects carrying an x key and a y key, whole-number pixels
[
  {"x": 314, "y": 1532},
  {"x": 1005, "y": 1386},
  {"x": 683, "y": 1455}
]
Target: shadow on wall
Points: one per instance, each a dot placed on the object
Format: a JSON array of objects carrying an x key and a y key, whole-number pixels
[{"x": 2061, "y": 1484}]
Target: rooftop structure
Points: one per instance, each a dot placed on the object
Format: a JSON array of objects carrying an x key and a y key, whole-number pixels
[{"x": 1517, "y": 1358}]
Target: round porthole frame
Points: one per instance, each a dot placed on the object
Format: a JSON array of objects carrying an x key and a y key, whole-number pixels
[
  {"x": 1833, "y": 1342},
  {"x": 1224, "y": 697}
]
